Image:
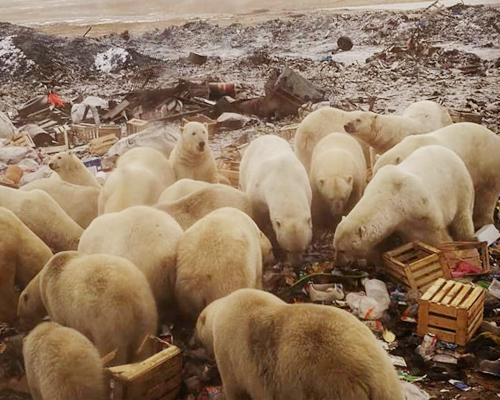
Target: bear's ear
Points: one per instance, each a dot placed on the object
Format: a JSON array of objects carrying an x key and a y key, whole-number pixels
[
  {"x": 349, "y": 179},
  {"x": 343, "y": 217},
  {"x": 205, "y": 124},
  {"x": 278, "y": 222},
  {"x": 361, "y": 231},
  {"x": 398, "y": 160},
  {"x": 377, "y": 156},
  {"x": 321, "y": 182}
]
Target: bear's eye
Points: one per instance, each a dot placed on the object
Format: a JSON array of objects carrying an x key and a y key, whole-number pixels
[
  {"x": 358, "y": 119},
  {"x": 59, "y": 157},
  {"x": 194, "y": 133}
]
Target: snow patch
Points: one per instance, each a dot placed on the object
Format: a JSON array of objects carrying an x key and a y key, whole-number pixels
[
  {"x": 11, "y": 57},
  {"x": 111, "y": 59}
]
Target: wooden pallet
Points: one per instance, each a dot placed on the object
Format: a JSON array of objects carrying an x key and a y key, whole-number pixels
[
  {"x": 156, "y": 378},
  {"x": 23, "y": 139},
  {"x": 416, "y": 265},
  {"x": 474, "y": 253},
  {"x": 451, "y": 310}
]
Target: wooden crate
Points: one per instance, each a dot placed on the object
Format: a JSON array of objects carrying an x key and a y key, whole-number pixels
[
  {"x": 101, "y": 145},
  {"x": 136, "y": 125},
  {"x": 474, "y": 253},
  {"x": 91, "y": 131},
  {"x": 231, "y": 170},
  {"x": 22, "y": 139},
  {"x": 416, "y": 265},
  {"x": 156, "y": 378},
  {"x": 451, "y": 310}
]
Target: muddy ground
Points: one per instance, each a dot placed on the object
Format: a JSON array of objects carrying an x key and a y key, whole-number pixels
[{"x": 398, "y": 57}]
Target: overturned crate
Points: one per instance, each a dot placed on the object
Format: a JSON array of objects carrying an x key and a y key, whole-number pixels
[
  {"x": 451, "y": 310},
  {"x": 101, "y": 145},
  {"x": 473, "y": 253},
  {"x": 156, "y": 378},
  {"x": 416, "y": 265}
]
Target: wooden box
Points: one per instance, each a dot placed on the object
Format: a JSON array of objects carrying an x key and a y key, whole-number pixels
[
  {"x": 230, "y": 170},
  {"x": 416, "y": 265},
  {"x": 91, "y": 131},
  {"x": 451, "y": 310},
  {"x": 136, "y": 125},
  {"x": 101, "y": 145},
  {"x": 156, "y": 378},
  {"x": 474, "y": 253}
]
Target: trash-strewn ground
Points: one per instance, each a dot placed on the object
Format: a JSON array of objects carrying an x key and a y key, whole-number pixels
[{"x": 398, "y": 57}]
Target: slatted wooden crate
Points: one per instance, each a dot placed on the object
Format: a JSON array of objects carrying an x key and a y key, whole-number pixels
[
  {"x": 230, "y": 170},
  {"x": 474, "y": 253},
  {"x": 101, "y": 145},
  {"x": 156, "y": 378},
  {"x": 451, "y": 310},
  {"x": 136, "y": 125},
  {"x": 91, "y": 131},
  {"x": 416, "y": 265}
]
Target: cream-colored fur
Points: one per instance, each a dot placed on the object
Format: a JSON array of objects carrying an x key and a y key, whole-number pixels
[
  {"x": 145, "y": 236},
  {"x": 40, "y": 213},
  {"x": 196, "y": 205},
  {"x": 479, "y": 149},
  {"x": 222, "y": 252},
  {"x": 338, "y": 178},
  {"x": 385, "y": 131},
  {"x": 316, "y": 126},
  {"x": 71, "y": 169},
  {"x": 191, "y": 157},
  {"x": 180, "y": 189},
  {"x": 278, "y": 188},
  {"x": 428, "y": 197},
  {"x": 104, "y": 297},
  {"x": 22, "y": 256},
  {"x": 140, "y": 177},
  {"x": 78, "y": 201},
  {"x": 267, "y": 349},
  {"x": 62, "y": 364}
]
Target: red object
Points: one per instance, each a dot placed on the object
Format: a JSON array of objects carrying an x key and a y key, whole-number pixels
[
  {"x": 53, "y": 98},
  {"x": 464, "y": 268}
]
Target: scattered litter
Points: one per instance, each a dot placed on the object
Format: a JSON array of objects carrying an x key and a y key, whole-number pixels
[{"x": 460, "y": 385}]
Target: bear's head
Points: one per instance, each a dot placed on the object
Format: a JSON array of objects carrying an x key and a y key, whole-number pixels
[
  {"x": 61, "y": 161},
  {"x": 293, "y": 231},
  {"x": 204, "y": 333},
  {"x": 194, "y": 138},
  {"x": 30, "y": 309},
  {"x": 335, "y": 192},
  {"x": 361, "y": 124}
]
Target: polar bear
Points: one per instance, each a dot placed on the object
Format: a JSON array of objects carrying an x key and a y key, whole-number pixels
[
  {"x": 180, "y": 189},
  {"x": 261, "y": 345},
  {"x": 61, "y": 363},
  {"x": 78, "y": 201},
  {"x": 105, "y": 297},
  {"x": 70, "y": 169},
  {"x": 151, "y": 159},
  {"x": 477, "y": 146},
  {"x": 338, "y": 178},
  {"x": 22, "y": 256},
  {"x": 140, "y": 177},
  {"x": 222, "y": 252},
  {"x": 189, "y": 209},
  {"x": 40, "y": 213},
  {"x": 191, "y": 157},
  {"x": 385, "y": 131},
  {"x": 278, "y": 188},
  {"x": 315, "y": 127},
  {"x": 428, "y": 197},
  {"x": 145, "y": 236}
]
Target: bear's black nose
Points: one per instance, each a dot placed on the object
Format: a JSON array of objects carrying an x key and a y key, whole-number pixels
[
  {"x": 51, "y": 165},
  {"x": 201, "y": 145}
]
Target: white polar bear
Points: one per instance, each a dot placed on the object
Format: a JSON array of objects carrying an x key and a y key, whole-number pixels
[
  {"x": 385, "y": 131},
  {"x": 22, "y": 256},
  {"x": 278, "y": 188},
  {"x": 338, "y": 178},
  {"x": 180, "y": 189},
  {"x": 189, "y": 209},
  {"x": 61, "y": 363},
  {"x": 479, "y": 149},
  {"x": 428, "y": 197},
  {"x": 105, "y": 297},
  {"x": 70, "y": 169},
  {"x": 191, "y": 157},
  {"x": 222, "y": 252},
  {"x": 78, "y": 201},
  {"x": 316, "y": 126},
  {"x": 140, "y": 177},
  {"x": 267, "y": 349},
  {"x": 40, "y": 213},
  {"x": 145, "y": 236}
]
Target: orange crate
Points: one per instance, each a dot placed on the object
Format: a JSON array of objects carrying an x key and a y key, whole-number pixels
[
  {"x": 416, "y": 265},
  {"x": 451, "y": 310}
]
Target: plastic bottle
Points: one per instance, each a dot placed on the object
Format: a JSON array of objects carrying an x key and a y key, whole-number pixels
[{"x": 363, "y": 306}]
